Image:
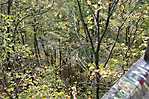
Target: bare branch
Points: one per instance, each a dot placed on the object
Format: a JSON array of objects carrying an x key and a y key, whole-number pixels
[
  {"x": 107, "y": 21},
  {"x": 86, "y": 30},
  {"x": 98, "y": 39},
  {"x": 119, "y": 30}
]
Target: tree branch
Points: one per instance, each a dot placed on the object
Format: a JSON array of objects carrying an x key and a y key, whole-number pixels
[
  {"x": 110, "y": 11},
  {"x": 119, "y": 29},
  {"x": 86, "y": 30}
]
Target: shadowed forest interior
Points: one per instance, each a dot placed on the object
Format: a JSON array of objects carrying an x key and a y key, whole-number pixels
[{"x": 68, "y": 48}]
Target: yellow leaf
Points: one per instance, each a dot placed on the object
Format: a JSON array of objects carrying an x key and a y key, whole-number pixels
[
  {"x": 89, "y": 2},
  {"x": 44, "y": 97}
]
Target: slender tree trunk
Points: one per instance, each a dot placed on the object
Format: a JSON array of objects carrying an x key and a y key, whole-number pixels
[{"x": 9, "y": 4}]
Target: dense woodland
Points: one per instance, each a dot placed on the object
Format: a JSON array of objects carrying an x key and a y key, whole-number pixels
[{"x": 64, "y": 48}]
